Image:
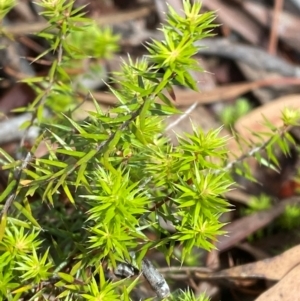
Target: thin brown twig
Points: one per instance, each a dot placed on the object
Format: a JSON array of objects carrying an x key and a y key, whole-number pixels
[
  {"x": 40, "y": 62},
  {"x": 220, "y": 93},
  {"x": 31, "y": 44},
  {"x": 274, "y": 28}
]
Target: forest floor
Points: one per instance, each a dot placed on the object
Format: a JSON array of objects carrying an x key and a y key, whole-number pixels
[{"x": 252, "y": 71}]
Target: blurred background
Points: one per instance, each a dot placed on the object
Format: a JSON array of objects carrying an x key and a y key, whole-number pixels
[{"x": 251, "y": 72}]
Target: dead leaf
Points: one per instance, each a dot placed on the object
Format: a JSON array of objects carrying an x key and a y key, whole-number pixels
[
  {"x": 274, "y": 268},
  {"x": 240, "y": 229},
  {"x": 253, "y": 121},
  {"x": 18, "y": 96},
  {"x": 287, "y": 289}
]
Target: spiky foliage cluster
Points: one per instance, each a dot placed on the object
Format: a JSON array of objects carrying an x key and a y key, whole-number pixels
[{"x": 108, "y": 183}]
